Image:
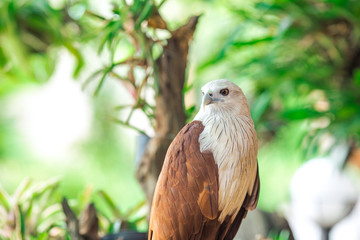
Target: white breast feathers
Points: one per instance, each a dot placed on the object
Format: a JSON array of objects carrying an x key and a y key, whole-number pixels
[{"x": 232, "y": 140}]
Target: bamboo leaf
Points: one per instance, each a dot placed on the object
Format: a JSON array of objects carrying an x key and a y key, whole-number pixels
[
  {"x": 22, "y": 189},
  {"x": 42, "y": 187},
  {"x": 110, "y": 203},
  {"x": 21, "y": 222},
  {"x": 91, "y": 77},
  {"x": 301, "y": 113},
  {"x": 261, "y": 104},
  {"x": 50, "y": 216},
  {"x": 144, "y": 13},
  {"x": 76, "y": 53},
  {"x": 102, "y": 80},
  {"x": 254, "y": 41},
  {"x": 5, "y": 199},
  {"x": 135, "y": 209},
  {"x": 85, "y": 197}
]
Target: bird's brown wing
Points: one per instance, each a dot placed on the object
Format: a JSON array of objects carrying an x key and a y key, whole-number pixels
[{"x": 186, "y": 195}]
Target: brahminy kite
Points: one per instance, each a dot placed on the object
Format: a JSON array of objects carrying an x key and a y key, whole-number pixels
[{"x": 210, "y": 178}]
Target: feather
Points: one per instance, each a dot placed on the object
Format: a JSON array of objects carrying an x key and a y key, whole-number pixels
[{"x": 207, "y": 203}]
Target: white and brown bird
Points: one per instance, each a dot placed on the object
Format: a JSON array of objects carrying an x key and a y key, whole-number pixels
[{"x": 210, "y": 178}]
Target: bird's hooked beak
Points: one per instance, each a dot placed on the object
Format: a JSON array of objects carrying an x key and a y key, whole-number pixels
[{"x": 207, "y": 99}]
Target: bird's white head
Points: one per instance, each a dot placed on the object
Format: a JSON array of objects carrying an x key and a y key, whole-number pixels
[{"x": 222, "y": 97}]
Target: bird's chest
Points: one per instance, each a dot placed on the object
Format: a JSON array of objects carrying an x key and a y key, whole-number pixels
[
  {"x": 232, "y": 142},
  {"x": 229, "y": 139}
]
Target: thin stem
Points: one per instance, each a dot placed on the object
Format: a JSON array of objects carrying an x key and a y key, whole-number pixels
[
  {"x": 95, "y": 15},
  {"x": 121, "y": 122},
  {"x": 130, "y": 114}
]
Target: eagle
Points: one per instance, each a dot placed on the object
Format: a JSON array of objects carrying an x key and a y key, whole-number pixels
[{"x": 209, "y": 179}]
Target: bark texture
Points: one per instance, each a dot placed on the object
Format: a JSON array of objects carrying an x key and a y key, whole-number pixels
[{"x": 169, "y": 113}]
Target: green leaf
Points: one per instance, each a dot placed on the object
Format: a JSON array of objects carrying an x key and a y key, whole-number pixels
[
  {"x": 144, "y": 13},
  {"x": 112, "y": 30},
  {"x": 357, "y": 77},
  {"x": 102, "y": 80},
  {"x": 85, "y": 197},
  {"x": 188, "y": 87},
  {"x": 254, "y": 41},
  {"x": 135, "y": 209},
  {"x": 91, "y": 77},
  {"x": 47, "y": 185},
  {"x": 190, "y": 112},
  {"x": 302, "y": 113},
  {"x": 37, "y": 191},
  {"x": 21, "y": 189},
  {"x": 261, "y": 104},
  {"x": 41, "y": 236},
  {"x": 5, "y": 199},
  {"x": 110, "y": 203},
  {"x": 76, "y": 53},
  {"x": 21, "y": 222},
  {"x": 49, "y": 217}
]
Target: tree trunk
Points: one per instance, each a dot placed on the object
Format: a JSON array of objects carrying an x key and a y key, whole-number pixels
[{"x": 169, "y": 113}]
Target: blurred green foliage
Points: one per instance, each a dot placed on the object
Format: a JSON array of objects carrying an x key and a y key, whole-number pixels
[
  {"x": 112, "y": 219},
  {"x": 32, "y": 34},
  {"x": 32, "y": 212},
  {"x": 297, "y": 61},
  {"x": 283, "y": 235},
  {"x": 29, "y": 32},
  {"x": 133, "y": 46}
]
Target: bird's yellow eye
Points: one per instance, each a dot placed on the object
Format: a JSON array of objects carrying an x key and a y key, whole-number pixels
[{"x": 224, "y": 92}]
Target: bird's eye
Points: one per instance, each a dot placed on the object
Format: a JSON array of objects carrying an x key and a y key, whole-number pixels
[
  {"x": 202, "y": 93},
  {"x": 224, "y": 92}
]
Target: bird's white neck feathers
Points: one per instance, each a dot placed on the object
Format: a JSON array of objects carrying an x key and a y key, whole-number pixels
[{"x": 231, "y": 137}]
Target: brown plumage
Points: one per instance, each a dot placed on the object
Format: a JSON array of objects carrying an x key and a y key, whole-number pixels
[{"x": 186, "y": 202}]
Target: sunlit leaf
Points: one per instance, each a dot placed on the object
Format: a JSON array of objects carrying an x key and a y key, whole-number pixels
[
  {"x": 145, "y": 12},
  {"x": 21, "y": 189},
  {"x": 76, "y": 53},
  {"x": 5, "y": 199},
  {"x": 302, "y": 113},
  {"x": 261, "y": 104},
  {"x": 110, "y": 203},
  {"x": 21, "y": 220},
  {"x": 135, "y": 209},
  {"x": 102, "y": 79}
]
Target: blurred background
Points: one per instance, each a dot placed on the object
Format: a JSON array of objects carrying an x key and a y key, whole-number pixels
[{"x": 79, "y": 88}]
